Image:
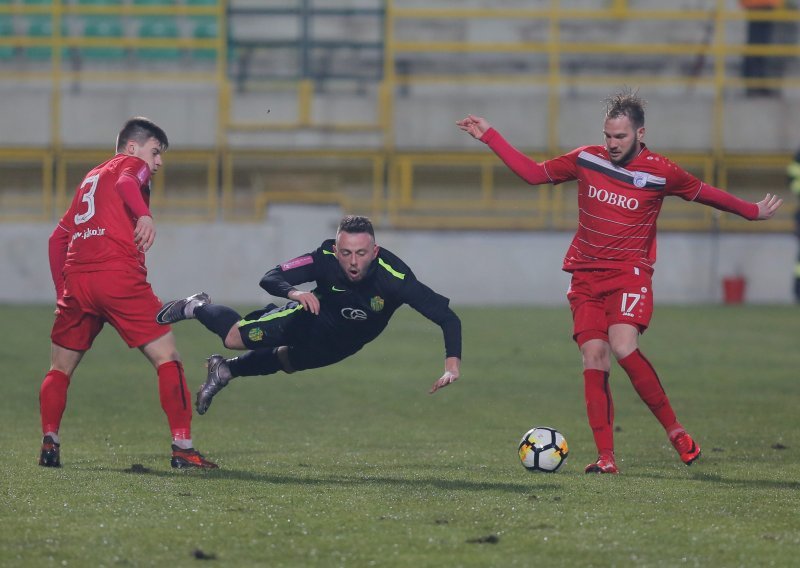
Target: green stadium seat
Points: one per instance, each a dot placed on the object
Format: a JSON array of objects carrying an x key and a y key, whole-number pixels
[
  {"x": 36, "y": 2},
  {"x": 158, "y": 27},
  {"x": 100, "y": 2},
  {"x": 6, "y": 30},
  {"x": 204, "y": 27},
  {"x": 103, "y": 27},
  {"x": 201, "y": 2},
  {"x": 38, "y": 27},
  {"x": 41, "y": 26},
  {"x": 154, "y": 2}
]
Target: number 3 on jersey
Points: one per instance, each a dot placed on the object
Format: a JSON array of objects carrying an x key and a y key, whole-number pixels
[
  {"x": 628, "y": 302},
  {"x": 88, "y": 198}
]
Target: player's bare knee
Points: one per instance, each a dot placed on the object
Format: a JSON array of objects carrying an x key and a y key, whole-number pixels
[
  {"x": 623, "y": 351},
  {"x": 596, "y": 363},
  {"x": 66, "y": 369},
  {"x": 234, "y": 339},
  {"x": 623, "y": 348},
  {"x": 161, "y": 350},
  {"x": 623, "y": 340},
  {"x": 595, "y": 357}
]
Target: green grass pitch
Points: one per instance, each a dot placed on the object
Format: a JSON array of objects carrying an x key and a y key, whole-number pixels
[{"x": 356, "y": 465}]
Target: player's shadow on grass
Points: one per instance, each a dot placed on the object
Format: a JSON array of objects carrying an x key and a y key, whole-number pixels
[
  {"x": 716, "y": 478},
  {"x": 539, "y": 484}
]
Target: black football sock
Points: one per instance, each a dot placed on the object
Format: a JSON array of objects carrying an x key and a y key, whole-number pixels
[
  {"x": 252, "y": 363},
  {"x": 217, "y": 319}
]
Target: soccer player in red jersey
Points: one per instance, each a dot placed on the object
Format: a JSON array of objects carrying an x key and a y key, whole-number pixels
[
  {"x": 621, "y": 186},
  {"x": 97, "y": 260}
]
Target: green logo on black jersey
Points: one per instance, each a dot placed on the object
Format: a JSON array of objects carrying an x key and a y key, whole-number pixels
[
  {"x": 376, "y": 303},
  {"x": 255, "y": 334}
]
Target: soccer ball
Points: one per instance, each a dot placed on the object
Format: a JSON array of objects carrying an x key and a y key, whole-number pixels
[{"x": 543, "y": 449}]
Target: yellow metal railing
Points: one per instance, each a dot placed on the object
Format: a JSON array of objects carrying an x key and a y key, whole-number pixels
[
  {"x": 300, "y": 176},
  {"x": 27, "y": 194},
  {"x": 718, "y": 49},
  {"x": 58, "y": 73},
  {"x": 431, "y": 189},
  {"x": 59, "y": 167},
  {"x": 481, "y": 200},
  {"x": 552, "y": 207},
  {"x": 187, "y": 202}
]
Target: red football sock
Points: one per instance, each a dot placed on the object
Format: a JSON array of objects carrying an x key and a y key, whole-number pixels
[
  {"x": 175, "y": 399},
  {"x": 53, "y": 400},
  {"x": 645, "y": 381},
  {"x": 599, "y": 409}
]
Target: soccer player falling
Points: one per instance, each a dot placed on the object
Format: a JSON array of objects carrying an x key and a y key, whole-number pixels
[{"x": 621, "y": 187}]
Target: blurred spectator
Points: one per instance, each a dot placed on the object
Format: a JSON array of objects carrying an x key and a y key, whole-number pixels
[
  {"x": 793, "y": 171},
  {"x": 759, "y": 32}
]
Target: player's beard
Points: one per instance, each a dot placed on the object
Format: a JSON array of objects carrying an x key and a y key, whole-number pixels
[{"x": 627, "y": 156}]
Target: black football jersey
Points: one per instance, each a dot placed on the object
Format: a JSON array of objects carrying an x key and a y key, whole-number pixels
[{"x": 355, "y": 313}]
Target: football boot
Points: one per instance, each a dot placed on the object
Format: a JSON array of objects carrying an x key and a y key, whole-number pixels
[
  {"x": 50, "y": 455},
  {"x": 190, "y": 458},
  {"x": 218, "y": 377},
  {"x": 604, "y": 464},
  {"x": 685, "y": 446},
  {"x": 175, "y": 310}
]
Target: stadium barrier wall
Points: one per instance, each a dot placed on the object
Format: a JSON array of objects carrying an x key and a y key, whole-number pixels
[{"x": 471, "y": 268}]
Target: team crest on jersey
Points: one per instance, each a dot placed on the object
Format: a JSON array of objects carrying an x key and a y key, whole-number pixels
[
  {"x": 639, "y": 179},
  {"x": 255, "y": 334},
  {"x": 376, "y": 304}
]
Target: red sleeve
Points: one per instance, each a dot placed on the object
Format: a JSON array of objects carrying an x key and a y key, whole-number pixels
[
  {"x": 724, "y": 201},
  {"x": 57, "y": 251},
  {"x": 529, "y": 170},
  {"x": 129, "y": 189}
]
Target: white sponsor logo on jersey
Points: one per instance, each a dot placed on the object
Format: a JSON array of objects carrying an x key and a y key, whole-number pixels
[
  {"x": 605, "y": 196},
  {"x": 353, "y": 314},
  {"x": 89, "y": 233}
]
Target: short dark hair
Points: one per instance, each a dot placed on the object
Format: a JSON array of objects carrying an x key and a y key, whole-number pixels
[
  {"x": 140, "y": 130},
  {"x": 356, "y": 224},
  {"x": 627, "y": 103}
]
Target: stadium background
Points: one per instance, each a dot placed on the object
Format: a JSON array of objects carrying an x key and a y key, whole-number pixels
[{"x": 284, "y": 114}]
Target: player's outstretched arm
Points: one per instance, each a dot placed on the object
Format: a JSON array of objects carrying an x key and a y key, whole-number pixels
[
  {"x": 475, "y": 126},
  {"x": 452, "y": 366},
  {"x": 724, "y": 201},
  {"x": 768, "y": 206}
]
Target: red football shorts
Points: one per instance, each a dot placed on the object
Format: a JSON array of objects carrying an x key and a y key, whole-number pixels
[
  {"x": 601, "y": 298},
  {"x": 122, "y": 298}
]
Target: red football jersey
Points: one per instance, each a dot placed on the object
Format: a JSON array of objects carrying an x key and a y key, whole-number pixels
[
  {"x": 100, "y": 224},
  {"x": 618, "y": 206}
]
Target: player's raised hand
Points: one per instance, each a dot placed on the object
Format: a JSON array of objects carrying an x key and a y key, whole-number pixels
[
  {"x": 473, "y": 125},
  {"x": 768, "y": 206},
  {"x": 308, "y": 300},
  {"x": 145, "y": 233}
]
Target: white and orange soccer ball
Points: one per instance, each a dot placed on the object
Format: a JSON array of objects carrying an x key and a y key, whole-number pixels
[{"x": 543, "y": 449}]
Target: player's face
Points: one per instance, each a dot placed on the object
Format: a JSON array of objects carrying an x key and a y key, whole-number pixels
[
  {"x": 622, "y": 141},
  {"x": 355, "y": 252},
  {"x": 150, "y": 152}
]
